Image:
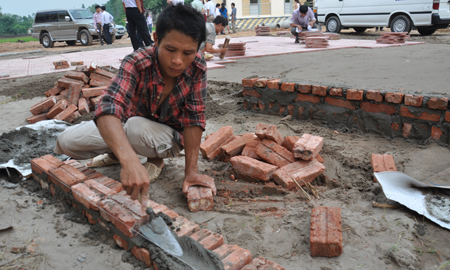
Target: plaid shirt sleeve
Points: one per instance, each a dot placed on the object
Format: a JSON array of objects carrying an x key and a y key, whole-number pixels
[
  {"x": 193, "y": 114},
  {"x": 116, "y": 98}
]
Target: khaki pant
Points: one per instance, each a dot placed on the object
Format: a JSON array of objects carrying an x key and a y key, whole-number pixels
[
  {"x": 148, "y": 138},
  {"x": 210, "y": 18},
  {"x": 233, "y": 26}
]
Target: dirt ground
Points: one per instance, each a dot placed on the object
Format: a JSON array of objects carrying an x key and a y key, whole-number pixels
[{"x": 269, "y": 221}]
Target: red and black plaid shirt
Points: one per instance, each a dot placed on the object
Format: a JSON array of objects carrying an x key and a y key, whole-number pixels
[{"x": 137, "y": 88}]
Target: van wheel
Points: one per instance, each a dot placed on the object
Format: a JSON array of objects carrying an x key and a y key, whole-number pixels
[
  {"x": 426, "y": 32},
  {"x": 360, "y": 29},
  {"x": 333, "y": 24},
  {"x": 401, "y": 23},
  {"x": 47, "y": 41},
  {"x": 71, "y": 42},
  {"x": 85, "y": 38}
]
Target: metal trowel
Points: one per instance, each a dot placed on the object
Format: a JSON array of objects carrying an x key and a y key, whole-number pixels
[{"x": 157, "y": 232}]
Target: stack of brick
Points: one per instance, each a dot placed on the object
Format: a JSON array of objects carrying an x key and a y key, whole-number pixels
[
  {"x": 75, "y": 94},
  {"x": 393, "y": 37},
  {"x": 262, "y": 30},
  {"x": 316, "y": 42},
  {"x": 332, "y": 36},
  {"x": 61, "y": 64},
  {"x": 306, "y": 34},
  {"x": 103, "y": 201},
  {"x": 382, "y": 163},
  {"x": 267, "y": 155},
  {"x": 235, "y": 49}
]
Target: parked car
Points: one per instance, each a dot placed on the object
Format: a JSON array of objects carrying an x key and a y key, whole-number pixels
[
  {"x": 65, "y": 25},
  {"x": 121, "y": 31},
  {"x": 400, "y": 15}
]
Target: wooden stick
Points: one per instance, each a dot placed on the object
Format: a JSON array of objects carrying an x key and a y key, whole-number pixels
[
  {"x": 381, "y": 205},
  {"x": 304, "y": 192},
  {"x": 225, "y": 45}
]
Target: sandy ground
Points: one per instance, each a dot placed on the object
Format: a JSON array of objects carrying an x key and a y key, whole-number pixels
[{"x": 269, "y": 222}]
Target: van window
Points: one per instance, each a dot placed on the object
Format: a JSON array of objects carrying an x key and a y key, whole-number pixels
[
  {"x": 62, "y": 16},
  {"x": 52, "y": 16},
  {"x": 40, "y": 17}
]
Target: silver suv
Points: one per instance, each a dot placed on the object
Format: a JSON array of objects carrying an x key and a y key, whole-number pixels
[{"x": 66, "y": 25}]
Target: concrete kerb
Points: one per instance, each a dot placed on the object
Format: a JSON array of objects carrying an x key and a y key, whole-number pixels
[{"x": 341, "y": 107}]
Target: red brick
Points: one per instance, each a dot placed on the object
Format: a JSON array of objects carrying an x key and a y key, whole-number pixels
[
  {"x": 261, "y": 263},
  {"x": 291, "y": 109},
  {"x": 261, "y": 83},
  {"x": 253, "y": 168},
  {"x": 288, "y": 87},
  {"x": 76, "y": 75},
  {"x": 353, "y": 94},
  {"x": 396, "y": 98},
  {"x": 378, "y": 108},
  {"x": 61, "y": 64},
  {"x": 110, "y": 183},
  {"x": 320, "y": 158},
  {"x": 65, "y": 82},
  {"x": 447, "y": 116},
  {"x": 184, "y": 227},
  {"x": 73, "y": 117},
  {"x": 200, "y": 199},
  {"x": 249, "y": 82},
  {"x": 304, "y": 88},
  {"x": 411, "y": 100},
  {"x": 326, "y": 232},
  {"x": 142, "y": 254},
  {"x": 312, "y": 99},
  {"x": 289, "y": 142},
  {"x": 308, "y": 146},
  {"x": 382, "y": 163},
  {"x": 87, "y": 197},
  {"x": 340, "y": 103},
  {"x": 82, "y": 68},
  {"x": 57, "y": 108},
  {"x": 270, "y": 132},
  {"x": 261, "y": 105},
  {"x": 83, "y": 106},
  {"x": 100, "y": 188},
  {"x": 215, "y": 142},
  {"x": 336, "y": 92},
  {"x": 282, "y": 109},
  {"x": 120, "y": 242},
  {"x": 160, "y": 208},
  {"x": 36, "y": 118},
  {"x": 95, "y": 100},
  {"x": 208, "y": 239},
  {"x": 74, "y": 93},
  {"x": 250, "y": 147},
  {"x": 41, "y": 167},
  {"x": 235, "y": 146},
  {"x": 170, "y": 213},
  {"x": 404, "y": 111},
  {"x": 436, "y": 133},
  {"x": 121, "y": 216},
  {"x": 233, "y": 257},
  {"x": 274, "y": 153},
  {"x": 406, "y": 129},
  {"x": 273, "y": 84},
  {"x": 93, "y": 92},
  {"x": 437, "y": 103},
  {"x": 78, "y": 63},
  {"x": 99, "y": 80},
  {"x": 105, "y": 73},
  {"x": 43, "y": 105},
  {"x": 395, "y": 126},
  {"x": 54, "y": 91},
  {"x": 251, "y": 92},
  {"x": 374, "y": 95},
  {"x": 319, "y": 90},
  {"x": 66, "y": 176},
  {"x": 302, "y": 171}
]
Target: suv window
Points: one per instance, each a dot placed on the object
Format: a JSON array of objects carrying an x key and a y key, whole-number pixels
[
  {"x": 46, "y": 17},
  {"x": 40, "y": 17},
  {"x": 81, "y": 14},
  {"x": 62, "y": 16},
  {"x": 52, "y": 16}
]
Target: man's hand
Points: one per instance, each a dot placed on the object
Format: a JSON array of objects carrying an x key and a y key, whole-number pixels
[
  {"x": 196, "y": 179},
  {"x": 223, "y": 50},
  {"x": 135, "y": 180}
]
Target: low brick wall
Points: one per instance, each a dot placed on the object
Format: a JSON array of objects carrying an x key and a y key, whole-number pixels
[{"x": 393, "y": 114}]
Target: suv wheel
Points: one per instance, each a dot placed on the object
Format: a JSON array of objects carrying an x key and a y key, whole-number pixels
[
  {"x": 85, "y": 38},
  {"x": 71, "y": 42},
  {"x": 426, "y": 31},
  {"x": 360, "y": 29},
  {"x": 47, "y": 41},
  {"x": 333, "y": 24},
  {"x": 400, "y": 23}
]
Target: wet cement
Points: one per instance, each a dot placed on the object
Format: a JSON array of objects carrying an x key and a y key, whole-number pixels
[{"x": 438, "y": 206}]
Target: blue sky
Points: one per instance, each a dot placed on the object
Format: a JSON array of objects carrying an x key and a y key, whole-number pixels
[{"x": 28, "y": 7}]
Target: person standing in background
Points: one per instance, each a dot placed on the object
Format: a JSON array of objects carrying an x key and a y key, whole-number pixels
[
  {"x": 107, "y": 19},
  {"x": 197, "y": 5},
  {"x": 148, "y": 16},
  {"x": 98, "y": 24},
  {"x": 233, "y": 17},
  {"x": 210, "y": 11},
  {"x": 296, "y": 4},
  {"x": 134, "y": 10},
  {"x": 224, "y": 12},
  {"x": 217, "y": 12}
]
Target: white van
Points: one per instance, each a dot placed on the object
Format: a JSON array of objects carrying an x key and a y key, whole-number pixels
[{"x": 400, "y": 15}]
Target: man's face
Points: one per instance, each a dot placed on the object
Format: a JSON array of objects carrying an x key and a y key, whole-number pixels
[
  {"x": 302, "y": 15},
  {"x": 98, "y": 10},
  {"x": 176, "y": 51},
  {"x": 218, "y": 28}
]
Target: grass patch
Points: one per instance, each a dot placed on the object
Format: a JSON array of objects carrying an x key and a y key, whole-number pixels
[{"x": 25, "y": 39}]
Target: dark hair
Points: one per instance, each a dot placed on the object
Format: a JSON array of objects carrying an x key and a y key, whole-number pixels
[
  {"x": 217, "y": 5},
  {"x": 297, "y": 1},
  {"x": 223, "y": 7},
  {"x": 233, "y": 4},
  {"x": 303, "y": 9},
  {"x": 220, "y": 20},
  {"x": 103, "y": 8},
  {"x": 182, "y": 18},
  {"x": 97, "y": 6}
]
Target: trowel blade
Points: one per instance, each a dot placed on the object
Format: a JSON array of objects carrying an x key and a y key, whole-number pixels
[{"x": 157, "y": 232}]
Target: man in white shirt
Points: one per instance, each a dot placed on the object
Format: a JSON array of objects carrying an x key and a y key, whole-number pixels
[
  {"x": 210, "y": 11},
  {"x": 134, "y": 10},
  {"x": 98, "y": 23},
  {"x": 217, "y": 12},
  {"x": 107, "y": 20}
]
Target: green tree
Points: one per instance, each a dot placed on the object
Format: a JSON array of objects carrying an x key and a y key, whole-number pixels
[{"x": 82, "y": 6}]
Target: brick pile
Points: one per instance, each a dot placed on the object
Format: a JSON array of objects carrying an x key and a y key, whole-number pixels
[
  {"x": 75, "y": 94},
  {"x": 303, "y": 35},
  {"x": 103, "y": 201},
  {"x": 393, "y": 37},
  {"x": 332, "y": 36},
  {"x": 316, "y": 42},
  {"x": 389, "y": 113},
  {"x": 235, "y": 49},
  {"x": 266, "y": 155},
  {"x": 63, "y": 64},
  {"x": 262, "y": 30}
]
